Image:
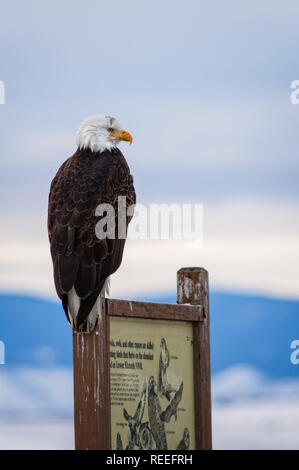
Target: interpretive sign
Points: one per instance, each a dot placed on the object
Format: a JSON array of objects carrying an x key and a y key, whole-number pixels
[
  {"x": 151, "y": 384},
  {"x": 142, "y": 377}
]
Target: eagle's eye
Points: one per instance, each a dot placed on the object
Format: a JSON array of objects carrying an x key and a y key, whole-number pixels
[{"x": 110, "y": 130}]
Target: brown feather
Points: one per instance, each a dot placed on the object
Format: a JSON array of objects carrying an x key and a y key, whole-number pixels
[{"x": 80, "y": 259}]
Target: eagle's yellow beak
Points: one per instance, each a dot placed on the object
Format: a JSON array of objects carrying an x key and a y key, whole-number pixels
[{"x": 122, "y": 135}]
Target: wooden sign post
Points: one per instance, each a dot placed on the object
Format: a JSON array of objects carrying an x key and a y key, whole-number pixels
[
  {"x": 193, "y": 288},
  {"x": 142, "y": 378}
]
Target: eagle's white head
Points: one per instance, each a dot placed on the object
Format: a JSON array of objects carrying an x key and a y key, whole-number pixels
[{"x": 99, "y": 133}]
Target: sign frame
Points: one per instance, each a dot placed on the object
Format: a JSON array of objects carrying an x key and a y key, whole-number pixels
[{"x": 91, "y": 352}]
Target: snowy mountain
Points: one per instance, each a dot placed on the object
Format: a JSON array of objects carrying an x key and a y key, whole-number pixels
[
  {"x": 255, "y": 387},
  {"x": 253, "y": 331}
]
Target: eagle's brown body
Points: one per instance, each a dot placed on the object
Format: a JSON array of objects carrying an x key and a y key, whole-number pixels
[{"x": 80, "y": 259}]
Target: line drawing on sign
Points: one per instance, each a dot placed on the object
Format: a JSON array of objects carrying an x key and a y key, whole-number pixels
[{"x": 151, "y": 433}]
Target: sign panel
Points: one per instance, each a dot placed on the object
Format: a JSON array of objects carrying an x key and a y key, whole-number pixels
[{"x": 152, "y": 384}]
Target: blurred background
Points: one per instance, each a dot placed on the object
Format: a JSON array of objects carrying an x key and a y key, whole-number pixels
[{"x": 204, "y": 88}]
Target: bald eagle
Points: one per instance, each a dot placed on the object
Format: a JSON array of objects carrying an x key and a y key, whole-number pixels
[{"x": 96, "y": 174}]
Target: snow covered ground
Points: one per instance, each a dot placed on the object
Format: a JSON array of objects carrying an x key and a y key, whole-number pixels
[
  {"x": 259, "y": 424},
  {"x": 42, "y": 435},
  {"x": 250, "y": 411},
  {"x": 253, "y": 425}
]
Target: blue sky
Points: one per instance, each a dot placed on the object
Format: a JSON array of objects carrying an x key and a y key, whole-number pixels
[{"x": 205, "y": 91}]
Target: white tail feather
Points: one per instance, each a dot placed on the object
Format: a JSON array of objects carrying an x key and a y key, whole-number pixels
[{"x": 74, "y": 305}]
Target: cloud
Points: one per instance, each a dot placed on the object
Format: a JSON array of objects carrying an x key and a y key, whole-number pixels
[
  {"x": 51, "y": 434},
  {"x": 32, "y": 394},
  {"x": 243, "y": 383},
  {"x": 188, "y": 149},
  {"x": 252, "y": 412},
  {"x": 248, "y": 247},
  {"x": 259, "y": 424},
  {"x": 249, "y": 410},
  {"x": 212, "y": 122}
]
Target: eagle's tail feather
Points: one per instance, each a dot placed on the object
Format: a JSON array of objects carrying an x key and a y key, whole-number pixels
[{"x": 83, "y": 313}]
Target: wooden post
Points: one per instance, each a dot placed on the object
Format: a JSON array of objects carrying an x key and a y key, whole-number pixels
[
  {"x": 92, "y": 386},
  {"x": 193, "y": 288}
]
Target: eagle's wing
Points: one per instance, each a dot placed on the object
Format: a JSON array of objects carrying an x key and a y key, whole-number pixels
[{"x": 80, "y": 259}]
